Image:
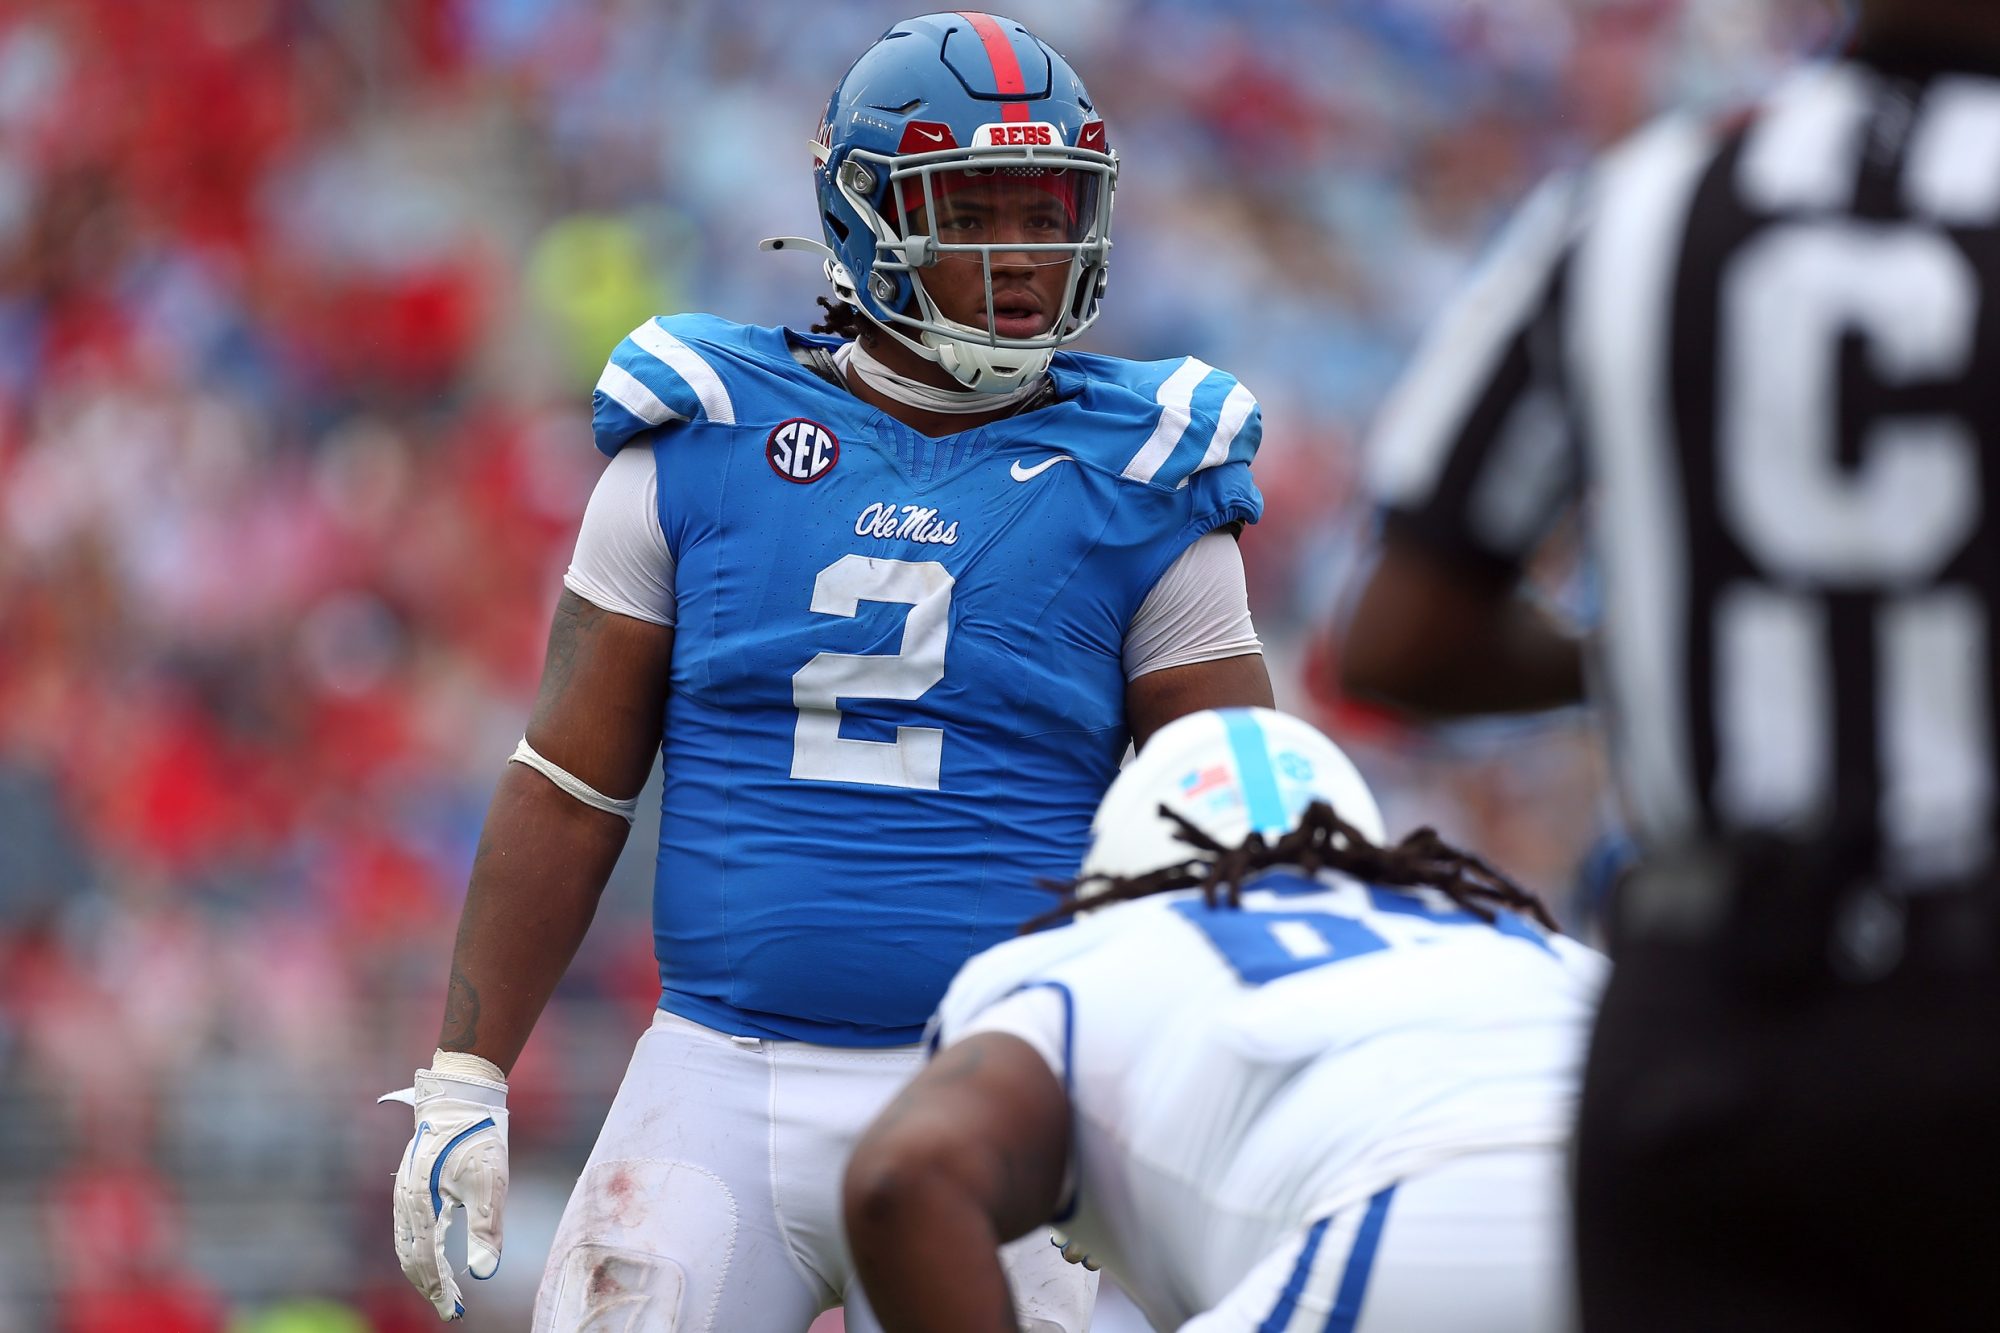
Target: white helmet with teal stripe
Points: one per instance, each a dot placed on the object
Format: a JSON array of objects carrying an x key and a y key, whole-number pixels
[{"x": 1231, "y": 772}]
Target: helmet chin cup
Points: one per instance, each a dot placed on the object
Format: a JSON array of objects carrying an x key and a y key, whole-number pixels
[
  {"x": 977, "y": 366},
  {"x": 987, "y": 369}
]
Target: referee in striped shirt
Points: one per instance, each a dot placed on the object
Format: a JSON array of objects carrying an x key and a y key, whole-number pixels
[{"x": 1765, "y": 354}]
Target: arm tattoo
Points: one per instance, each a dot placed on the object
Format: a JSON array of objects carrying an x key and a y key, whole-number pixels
[
  {"x": 576, "y": 620},
  {"x": 461, "y": 1015}
]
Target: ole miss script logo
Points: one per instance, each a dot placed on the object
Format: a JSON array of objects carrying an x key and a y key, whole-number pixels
[{"x": 801, "y": 451}]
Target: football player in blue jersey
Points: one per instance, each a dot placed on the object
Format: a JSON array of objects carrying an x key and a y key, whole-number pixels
[{"x": 889, "y": 600}]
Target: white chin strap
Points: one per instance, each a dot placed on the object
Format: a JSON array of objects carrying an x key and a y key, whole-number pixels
[{"x": 854, "y": 359}]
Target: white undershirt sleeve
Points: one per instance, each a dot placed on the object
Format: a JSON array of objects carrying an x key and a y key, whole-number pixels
[
  {"x": 1199, "y": 611},
  {"x": 622, "y": 562}
]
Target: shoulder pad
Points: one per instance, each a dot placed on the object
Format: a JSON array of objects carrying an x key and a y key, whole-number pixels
[
  {"x": 1196, "y": 417},
  {"x": 673, "y": 368}
]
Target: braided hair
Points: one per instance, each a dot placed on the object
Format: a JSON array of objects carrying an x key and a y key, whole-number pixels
[
  {"x": 842, "y": 320},
  {"x": 1321, "y": 841}
]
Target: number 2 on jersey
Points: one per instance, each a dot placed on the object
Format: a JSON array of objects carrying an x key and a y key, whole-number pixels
[{"x": 915, "y": 758}]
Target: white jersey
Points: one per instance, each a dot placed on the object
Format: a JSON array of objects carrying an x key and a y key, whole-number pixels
[{"x": 1236, "y": 1074}]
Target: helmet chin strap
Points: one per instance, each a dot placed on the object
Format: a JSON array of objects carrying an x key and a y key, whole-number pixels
[
  {"x": 959, "y": 360},
  {"x": 972, "y": 364},
  {"x": 856, "y": 359}
]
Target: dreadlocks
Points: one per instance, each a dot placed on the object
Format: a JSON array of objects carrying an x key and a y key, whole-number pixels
[
  {"x": 1322, "y": 841},
  {"x": 841, "y": 320}
]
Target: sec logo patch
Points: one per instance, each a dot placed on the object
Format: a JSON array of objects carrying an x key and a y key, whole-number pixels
[{"x": 801, "y": 451}]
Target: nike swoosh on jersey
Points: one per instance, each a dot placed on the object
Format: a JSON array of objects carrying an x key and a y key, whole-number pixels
[{"x": 1030, "y": 473}]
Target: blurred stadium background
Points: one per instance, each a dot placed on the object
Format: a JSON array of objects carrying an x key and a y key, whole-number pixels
[{"x": 300, "y": 306}]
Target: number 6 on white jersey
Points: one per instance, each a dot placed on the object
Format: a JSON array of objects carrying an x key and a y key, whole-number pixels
[{"x": 819, "y": 752}]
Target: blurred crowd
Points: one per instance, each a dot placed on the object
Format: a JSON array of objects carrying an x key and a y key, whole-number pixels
[{"x": 300, "y": 306}]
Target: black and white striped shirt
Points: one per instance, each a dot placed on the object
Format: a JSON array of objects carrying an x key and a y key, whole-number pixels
[{"x": 1765, "y": 356}]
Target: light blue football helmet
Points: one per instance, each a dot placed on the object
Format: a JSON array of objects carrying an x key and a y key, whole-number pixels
[{"x": 941, "y": 100}]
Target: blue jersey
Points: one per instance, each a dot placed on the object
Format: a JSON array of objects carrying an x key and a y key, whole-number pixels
[{"x": 897, "y": 685}]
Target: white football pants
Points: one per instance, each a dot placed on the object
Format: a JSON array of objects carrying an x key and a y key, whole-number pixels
[
  {"x": 712, "y": 1198},
  {"x": 1478, "y": 1244}
]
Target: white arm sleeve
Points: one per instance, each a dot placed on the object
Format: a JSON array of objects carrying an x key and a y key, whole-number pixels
[
  {"x": 1199, "y": 611},
  {"x": 622, "y": 562}
]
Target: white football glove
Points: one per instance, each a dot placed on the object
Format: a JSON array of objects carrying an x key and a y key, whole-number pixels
[{"x": 456, "y": 1159}]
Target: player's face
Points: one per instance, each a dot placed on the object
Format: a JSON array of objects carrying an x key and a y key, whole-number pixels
[{"x": 1002, "y": 211}]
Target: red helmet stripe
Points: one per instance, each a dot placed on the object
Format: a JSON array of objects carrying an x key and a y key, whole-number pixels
[{"x": 1006, "y": 66}]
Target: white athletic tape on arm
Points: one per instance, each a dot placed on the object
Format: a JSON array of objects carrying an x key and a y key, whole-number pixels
[
  {"x": 466, "y": 1065},
  {"x": 524, "y": 753}
]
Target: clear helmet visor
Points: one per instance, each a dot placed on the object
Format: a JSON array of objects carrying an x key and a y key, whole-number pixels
[{"x": 1016, "y": 205}]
